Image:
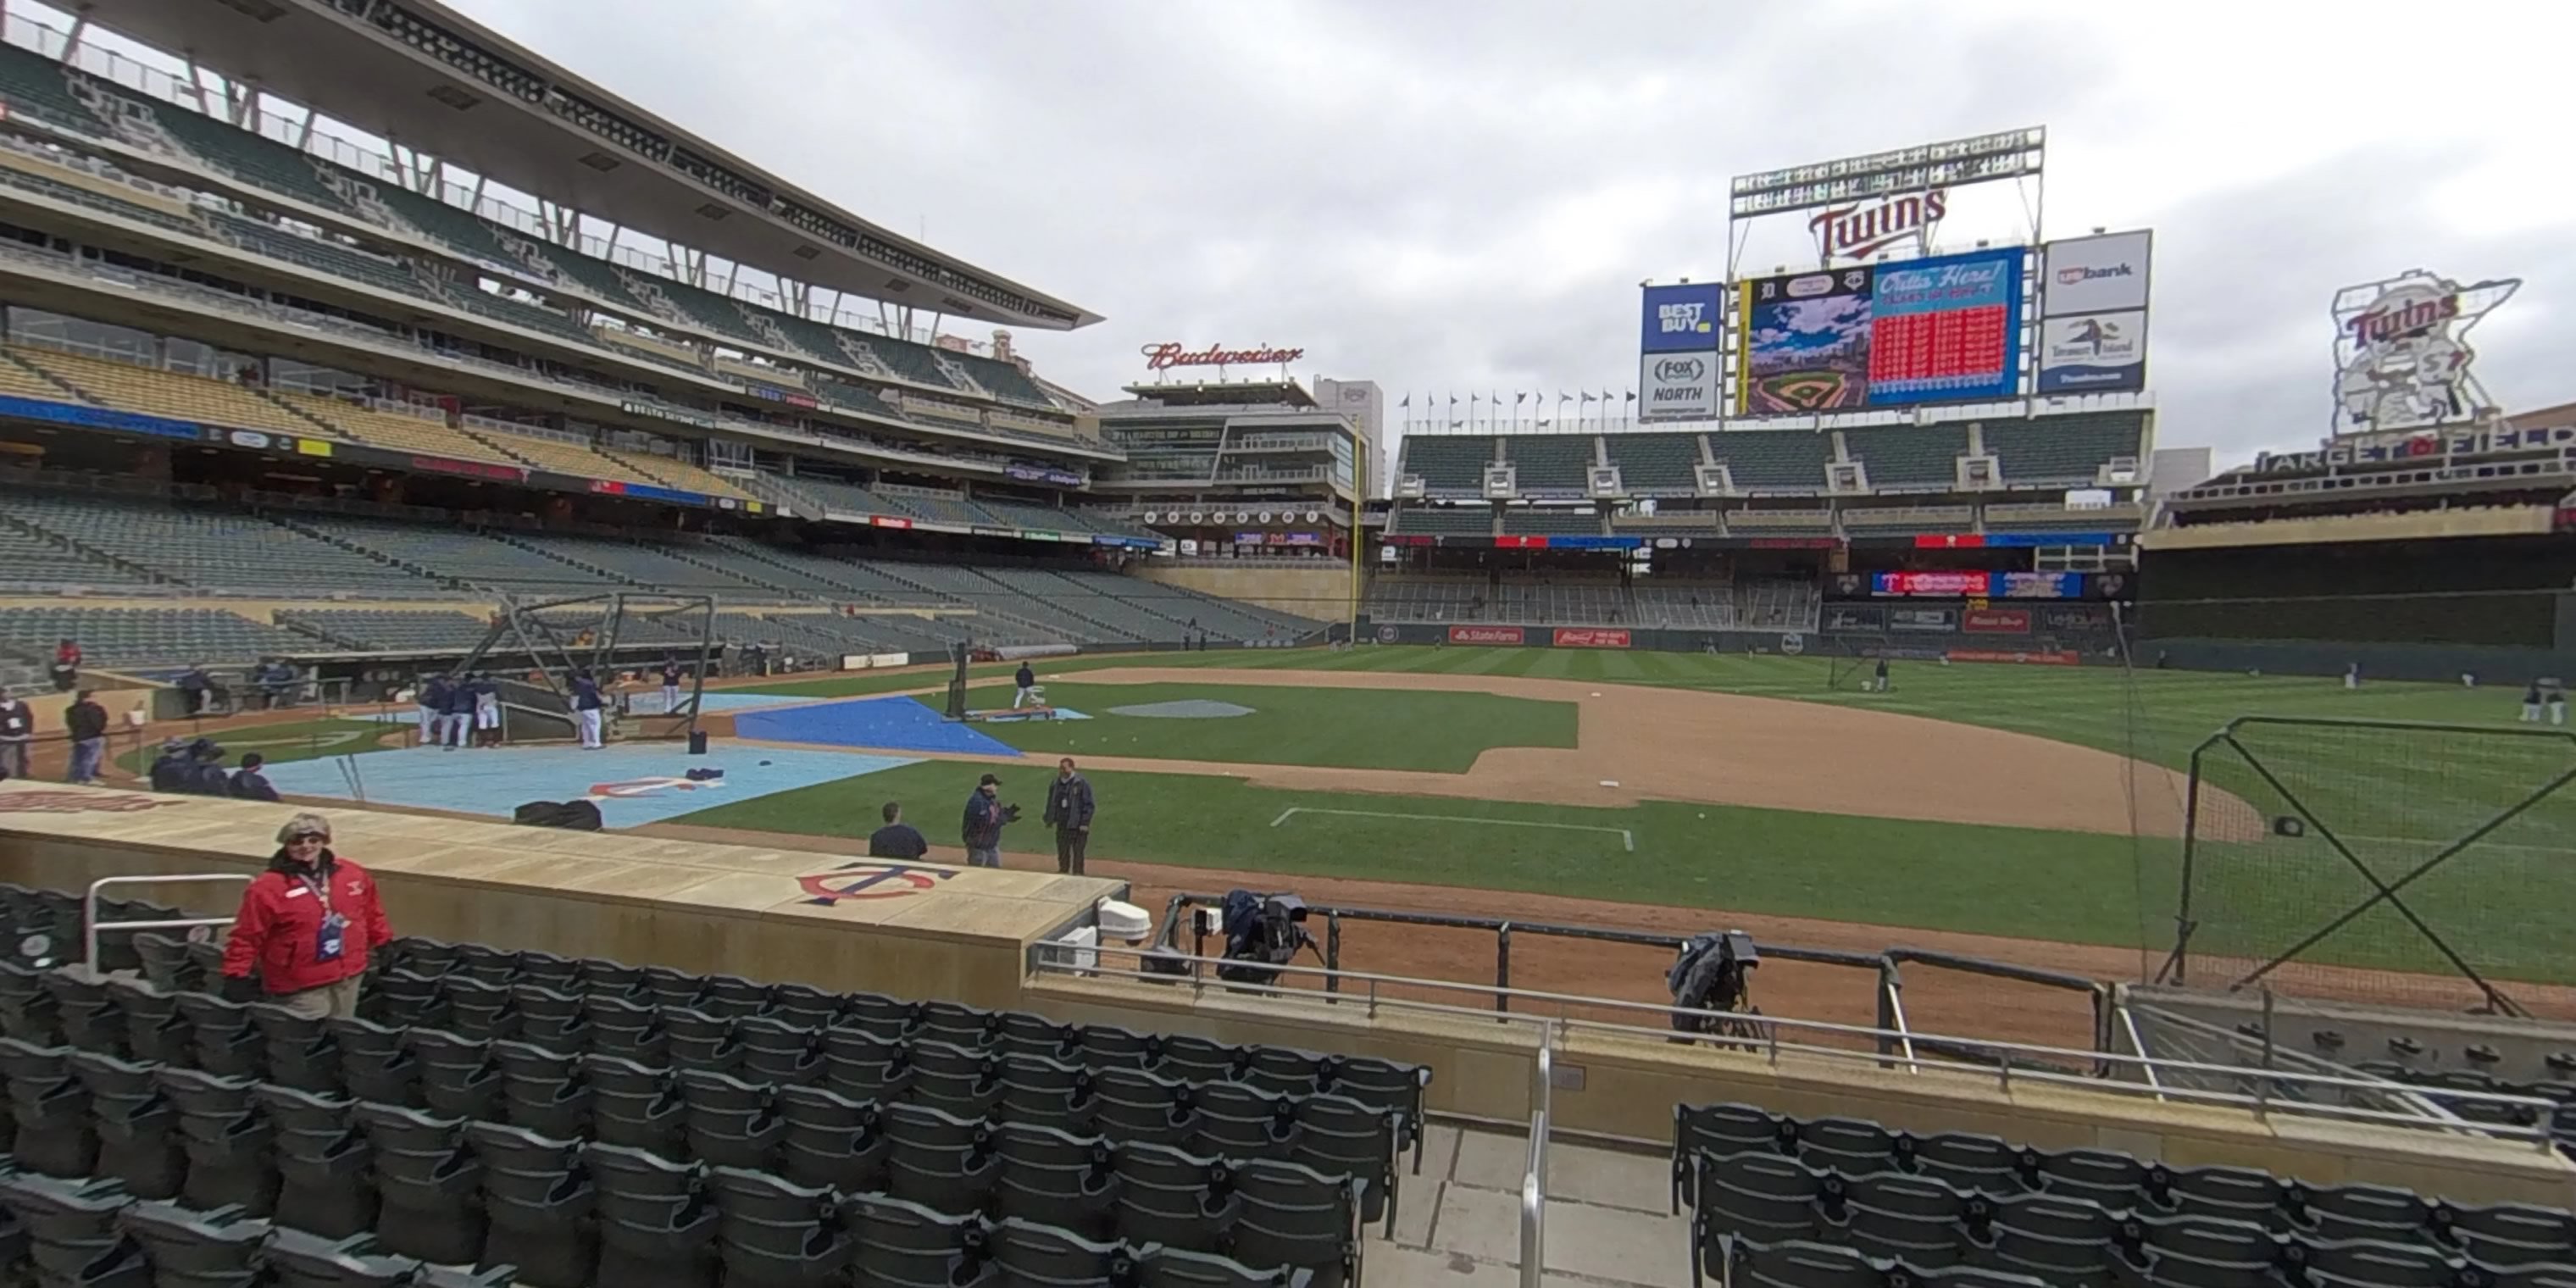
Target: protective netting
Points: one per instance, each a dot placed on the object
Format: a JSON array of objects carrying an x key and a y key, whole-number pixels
[{"x": 2422, "y": 865}]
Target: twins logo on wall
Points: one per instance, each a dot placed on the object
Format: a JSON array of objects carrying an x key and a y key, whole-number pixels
[{"x": 872, "y": 881}]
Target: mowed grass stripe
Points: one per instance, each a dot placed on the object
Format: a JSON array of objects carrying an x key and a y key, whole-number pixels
[{"x": 1352, "y": 728}]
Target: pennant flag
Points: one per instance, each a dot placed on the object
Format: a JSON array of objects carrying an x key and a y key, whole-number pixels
[
  {"x": 1518, "y": 399},
  {"x": 1408, "y": 401},
  {"x": 1587, "y": 396}
]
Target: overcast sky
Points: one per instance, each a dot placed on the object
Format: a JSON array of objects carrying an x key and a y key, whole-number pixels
[{"x": 1456, "y": 195}]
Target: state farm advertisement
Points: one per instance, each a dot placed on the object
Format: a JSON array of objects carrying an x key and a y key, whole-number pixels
[
  {"x": 1589, "y": 637},
  {"x": 1996, "y": 621},
  {"x": 1484, "y": 635}
]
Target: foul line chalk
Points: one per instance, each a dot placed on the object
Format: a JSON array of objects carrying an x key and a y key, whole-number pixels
[{"x": 1627, "y": 839}]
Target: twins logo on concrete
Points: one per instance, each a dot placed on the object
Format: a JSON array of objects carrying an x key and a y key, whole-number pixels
[{"x": 872, "y": 881}]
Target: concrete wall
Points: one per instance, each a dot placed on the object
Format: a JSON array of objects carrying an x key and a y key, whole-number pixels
[{"x": 1322, "y": 591}]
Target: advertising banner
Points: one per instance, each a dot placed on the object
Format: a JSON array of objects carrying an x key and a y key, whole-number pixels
[
  {"x": 1803, "y": 343},
  {"x": 1589, "y": 637},
  {"x": 1946, "y": 328},
  {"x": 2106, "y": 274},
  {"x": 2076, "y": 617},
  {"x": 2099, "y": 353},
  {"x": 2058, "y": 657},
  {"x": 1996, "y": 621},
  {"x": 1842, "y": 619},
  {"x": 1677, "y": 386},
  {"x": 1682, "y": 319},
  {"x": 1923, "y": 619},
  {"x": 2038, "y": 585},
  {"x": 1939, "y": 585},
  {"x": 1484, "y": 635}
]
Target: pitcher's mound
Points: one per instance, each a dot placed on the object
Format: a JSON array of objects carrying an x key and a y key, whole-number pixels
[{"x": 1185, "y": 709}]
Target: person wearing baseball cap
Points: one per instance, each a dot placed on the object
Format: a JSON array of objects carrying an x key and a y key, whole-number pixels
[{"x": 985, "y": 816}]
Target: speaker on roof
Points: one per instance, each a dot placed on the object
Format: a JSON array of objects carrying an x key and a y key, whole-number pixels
[
  {"x": 1265, "y": 516},
  {"x": 1314, "y": 516},
  {"x": 1196, "y": 517},
  {"x": 1150, "y": 516}
]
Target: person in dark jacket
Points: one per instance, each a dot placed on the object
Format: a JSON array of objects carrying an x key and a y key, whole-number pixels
[
  {"x": 86, "y": 723},
  {"x": 306, "y": 927},
  {"x": 670, "y": 685},
  {"x": 1027, "y": 680},
  {"x": 434, "y": 695},
  {"x": 169, "y": 772},
  {"x": 460, "y": 713},
  {"x": 247, "y": 783},
  {"x": 200, "y": 688},
  {"x": 1069, "y": 809},
  {"x": 206, "y": 776},
  {"x": 586, "y": 705},
  {"x": 985, "y": 817},
  {"x": 897, "y": 839}
]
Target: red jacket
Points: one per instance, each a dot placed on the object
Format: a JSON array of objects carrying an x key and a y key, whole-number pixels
[{"x": 279, "y": 928}]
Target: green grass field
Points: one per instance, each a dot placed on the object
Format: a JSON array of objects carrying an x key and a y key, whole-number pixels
[
  {"x": 1356, "y": 728},
  {"x": 2393, "y": 797}
]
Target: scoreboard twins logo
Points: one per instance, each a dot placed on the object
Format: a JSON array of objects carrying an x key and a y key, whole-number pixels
[{"x": 871, "y": 881}]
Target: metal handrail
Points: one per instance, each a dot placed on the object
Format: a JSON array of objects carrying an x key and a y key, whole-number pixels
[
  {"x": 91, "y": 925},
  {"x": 1534, "y": 1177},
  {"x": 2034, "y": 1060}
]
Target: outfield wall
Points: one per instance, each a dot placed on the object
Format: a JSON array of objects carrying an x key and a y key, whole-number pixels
[{"x": 1949, "y": 646}]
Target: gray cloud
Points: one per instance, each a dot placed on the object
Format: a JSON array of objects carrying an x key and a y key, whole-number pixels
[{"x": 1457, "y": 195}]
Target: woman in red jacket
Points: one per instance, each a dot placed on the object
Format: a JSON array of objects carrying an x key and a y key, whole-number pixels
[{"x": 306, "y": 925}]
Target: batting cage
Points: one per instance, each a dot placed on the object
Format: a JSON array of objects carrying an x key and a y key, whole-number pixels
[{"x": 2378, "y": 861}]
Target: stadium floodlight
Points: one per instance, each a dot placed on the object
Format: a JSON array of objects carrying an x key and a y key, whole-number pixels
[{"x": 1982, "y": 158}]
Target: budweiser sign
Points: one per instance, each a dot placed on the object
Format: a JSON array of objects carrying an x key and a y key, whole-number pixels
[
  {"x": 1170, "y": 354},
  {"x": 1863, "y": 229}
]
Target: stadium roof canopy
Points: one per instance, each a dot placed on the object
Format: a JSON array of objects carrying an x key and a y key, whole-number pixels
[
  {"x": 421, "y": 73},
  {"x": 1238, "y": 393}
]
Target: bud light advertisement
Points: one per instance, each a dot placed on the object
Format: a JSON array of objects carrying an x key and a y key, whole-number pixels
[
  {"x": 1683, "y": 319},
  {"x": 1946, "y": 329}
]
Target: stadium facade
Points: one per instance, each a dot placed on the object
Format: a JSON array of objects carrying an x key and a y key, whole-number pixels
[{"x": 249, "y": 360}]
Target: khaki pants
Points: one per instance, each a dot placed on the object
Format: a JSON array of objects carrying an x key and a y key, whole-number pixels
[{"x": 330, "y": 1001}]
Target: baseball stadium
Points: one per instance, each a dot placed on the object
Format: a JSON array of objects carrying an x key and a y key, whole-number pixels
[{"x": 1858, "y": 811}]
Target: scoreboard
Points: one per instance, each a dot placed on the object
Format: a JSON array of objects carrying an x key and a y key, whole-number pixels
[{"x": 1946, "y": 329}]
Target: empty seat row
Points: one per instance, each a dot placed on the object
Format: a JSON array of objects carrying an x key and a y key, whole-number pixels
[
  {"x": 598, "y": 1067},
  {"x": 552, "y": 1227},
  {"x": 1933, "y": 1199},
  {"x": 95, "y": 1232},
  {"x": 1894, "y": 1220},
  {"x": 1384, "y": 1085},
  {"x": 434, "y": 1186}
]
